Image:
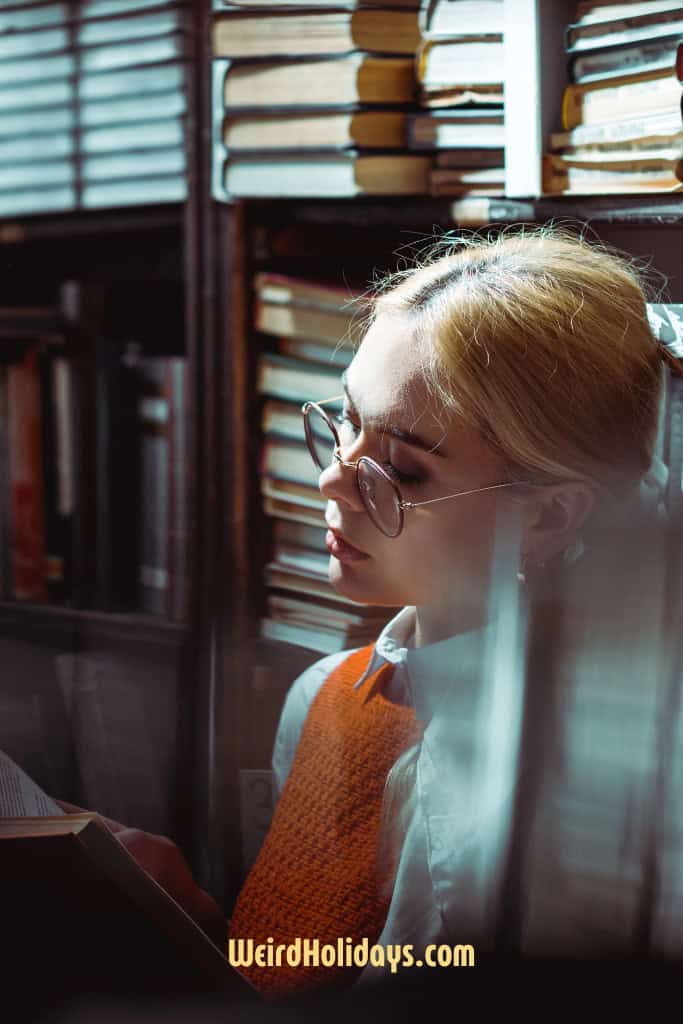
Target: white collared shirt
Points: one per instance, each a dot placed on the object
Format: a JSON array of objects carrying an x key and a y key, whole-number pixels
[{"x": 585, "y": 847}]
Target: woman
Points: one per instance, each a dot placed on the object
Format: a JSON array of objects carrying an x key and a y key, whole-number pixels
[{"x": 502, "y": 404}]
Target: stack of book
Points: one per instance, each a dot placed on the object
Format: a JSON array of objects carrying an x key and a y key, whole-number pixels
[
  {"x": 459, "y": 67},
  {"x": 93, "y": 458},
  {"x": 313, "y": 101},
  {"x": 92, "y": 105},
  {"x": 311, "y": 325},
  {"x": 622, "y": 111}
]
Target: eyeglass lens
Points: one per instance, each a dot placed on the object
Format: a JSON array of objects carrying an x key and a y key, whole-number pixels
[{"x": 376, "y": 490}]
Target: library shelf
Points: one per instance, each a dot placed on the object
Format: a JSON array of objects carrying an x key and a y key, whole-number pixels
[
  {"x": 425, "y": 213},
  {"x": 61, "y": 624},
  {"x": 70, "y": 223}
]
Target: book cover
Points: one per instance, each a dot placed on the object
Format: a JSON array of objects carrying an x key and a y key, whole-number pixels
[{"x": 26, "y": 487}]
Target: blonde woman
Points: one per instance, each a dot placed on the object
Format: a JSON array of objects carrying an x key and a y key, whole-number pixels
[{"x": 504, "y": 400}]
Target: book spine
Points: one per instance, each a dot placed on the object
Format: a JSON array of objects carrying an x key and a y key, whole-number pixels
[
  {"x": 57, "y": 431},
  {"x": 154, "y": 459},
  {"x": 26, "y": 480},
  {"x": 598, "y": 102},
  {"x": 118, "y": 479},
  {"x": 177, "y": 398},
  {"x": 5, "y": 534}
]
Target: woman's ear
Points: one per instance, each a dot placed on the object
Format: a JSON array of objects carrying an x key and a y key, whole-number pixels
[{"x": 554, "y": 516}]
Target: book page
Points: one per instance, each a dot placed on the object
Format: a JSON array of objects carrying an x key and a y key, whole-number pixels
[{"x": 20, "y": 796}]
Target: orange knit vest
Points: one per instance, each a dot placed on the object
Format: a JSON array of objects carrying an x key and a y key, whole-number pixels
[{"x": 317, "y": 875}]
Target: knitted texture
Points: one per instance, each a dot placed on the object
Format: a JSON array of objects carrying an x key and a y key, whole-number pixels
[{"x": 317, "y": 875}]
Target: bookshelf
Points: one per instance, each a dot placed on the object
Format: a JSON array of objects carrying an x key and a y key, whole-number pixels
[
  {"x": 142, "y": 263},
  {"x": 295, "y": 236}
]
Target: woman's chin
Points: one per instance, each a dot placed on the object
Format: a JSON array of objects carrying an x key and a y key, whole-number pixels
[{"x": 359, "y": 588}]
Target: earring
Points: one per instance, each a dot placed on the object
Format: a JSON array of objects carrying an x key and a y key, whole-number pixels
[{"x": 573, "y": 553}]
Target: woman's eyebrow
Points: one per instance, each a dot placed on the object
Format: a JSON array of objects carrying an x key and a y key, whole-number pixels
[{"x": 406, "y": 436}]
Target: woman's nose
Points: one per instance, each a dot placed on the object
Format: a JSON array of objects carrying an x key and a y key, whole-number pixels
[{"x": 338, "y": 483}]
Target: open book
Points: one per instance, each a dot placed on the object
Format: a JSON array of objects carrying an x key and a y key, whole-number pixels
[{"x": 81, "y": 917}]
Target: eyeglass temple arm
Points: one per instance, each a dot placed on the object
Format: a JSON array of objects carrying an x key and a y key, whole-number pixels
[
  {"x": 325, "y": 401},
  {"x": 461, "y": 494}
]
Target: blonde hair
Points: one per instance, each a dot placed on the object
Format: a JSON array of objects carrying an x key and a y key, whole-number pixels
[{"x": 541, "y": 340}]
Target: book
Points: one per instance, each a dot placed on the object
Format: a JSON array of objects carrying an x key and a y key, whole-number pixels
[
  {"x": 589, "y": 11},
  {"x": 286, "y": 510},
  {"x": 300, "y": 291},
  {"x": 619, "y": 158},
  {"x": 177, "y": 396},
  {"x": 326, "y": 175},
  {"x": 649, "y": 24},
  {"x": 299, "y": 611},
  {"x": 328, "y": 326},
  {"x": 466, "y": 17},
  {"x": 219, "y": 5},
  {"x": 462, "y": 95},
  {"x": 311, "y": 352},
  {"x": 286, "y": 460},
  {"x": 447, "y": 129},
  {"x": 326, "y": 642},
  {"x": 26, "y": 480},
  {"x": 118, "y": 485},
  {"x": 59, "y": 453},
  {"x": 452, "y": 181},
  {"x": 305, "y": 496},
  {"x": 477, "y": 159},
  {"x": 644, "y": 129},
  {"x": 76, "y": 902},
  {"x": 282, "y": 419},
  {"x": 656, "y": 92},
  {"x": 299, "y": 32},
  {"x": 5, "y": 525},
  {"x": 612, "y": 62},
  {"x": 586, "y": 180},
  {"x": 302, "y": 582},
  {"x": 153, "y": 412},
  {"x": 460, "y": 61},
  {"x": 365, "y": 129},
  {"x": 281, "y": 377},
  {"x": 297, "y": 534},
  {"x": 329, "y": 82}
]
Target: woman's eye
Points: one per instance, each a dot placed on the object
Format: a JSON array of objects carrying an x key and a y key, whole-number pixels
[
  {"x": 349, "y": 431},
  {"x": 398, "y": 476}
]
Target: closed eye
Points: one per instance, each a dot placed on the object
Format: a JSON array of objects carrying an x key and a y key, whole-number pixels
[{"x": 349, "y": 431}]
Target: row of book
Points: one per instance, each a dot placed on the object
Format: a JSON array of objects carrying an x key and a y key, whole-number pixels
[
  {"x": 93, "y": 442},
  {"x": 310, "y": 327},
  {"x": 622, "y": 112},
  {"x": 93, "y": 104},
  {"x": 402, "y": 97}
]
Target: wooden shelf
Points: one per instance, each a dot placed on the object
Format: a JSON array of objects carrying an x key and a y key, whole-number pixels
[
  {"x": 60, "y": 624},
  {"x": 400, "y": 212},
  {"x": 71, "y": 223}
]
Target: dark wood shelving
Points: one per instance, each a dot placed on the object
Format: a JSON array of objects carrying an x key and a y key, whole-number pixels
[
  {"x": 72, "y": 223},
  {"x": 61, "y": 624},
  {"x": 402, "y": 212}
]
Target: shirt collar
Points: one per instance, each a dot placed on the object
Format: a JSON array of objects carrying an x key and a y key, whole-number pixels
[{"x": 431, "y": 670}]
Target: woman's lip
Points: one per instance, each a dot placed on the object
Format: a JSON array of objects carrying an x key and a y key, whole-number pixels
[{"x": 338, "y": 546}]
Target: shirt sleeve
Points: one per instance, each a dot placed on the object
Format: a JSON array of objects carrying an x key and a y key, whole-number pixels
[{"x": 299, "y": 699}]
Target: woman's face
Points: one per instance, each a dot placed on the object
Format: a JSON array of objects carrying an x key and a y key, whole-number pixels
[{"x": 442, "y": 555}]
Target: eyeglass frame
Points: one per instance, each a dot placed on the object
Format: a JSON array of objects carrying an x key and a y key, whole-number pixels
[{"x": 401, "y": 504}]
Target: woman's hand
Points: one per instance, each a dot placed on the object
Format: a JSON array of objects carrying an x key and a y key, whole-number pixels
[{"x": 161, "y": 858}]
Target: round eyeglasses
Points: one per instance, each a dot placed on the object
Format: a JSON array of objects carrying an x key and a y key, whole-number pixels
[{"x": 380, "y": 494}]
